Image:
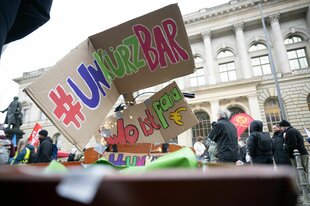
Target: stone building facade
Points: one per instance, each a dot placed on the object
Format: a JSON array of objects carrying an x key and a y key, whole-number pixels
[{"x": 234, "y": 68}]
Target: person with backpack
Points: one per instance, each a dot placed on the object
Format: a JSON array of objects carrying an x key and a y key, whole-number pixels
[
  {"x": 259, "y": 144},
  {"x": 45, "y": 150}
]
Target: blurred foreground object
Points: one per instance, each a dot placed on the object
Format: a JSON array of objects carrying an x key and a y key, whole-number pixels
[{"x": 221, "y": 187}]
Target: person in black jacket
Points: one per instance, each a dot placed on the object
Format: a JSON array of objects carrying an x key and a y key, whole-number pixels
[
  {"x": 224, "y": 133},
  {"x": 294, "y": 140},
  {"x": 279, "y": 154},
  {"x": 258, "y": 155},
  {"x": 18, "y": 18},
  {"x": 44, "y": 153}
]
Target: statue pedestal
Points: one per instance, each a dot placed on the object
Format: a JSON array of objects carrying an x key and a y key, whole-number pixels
[{"x": 10, "y": 133}]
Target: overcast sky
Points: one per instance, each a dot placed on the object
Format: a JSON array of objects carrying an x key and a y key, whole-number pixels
[{"x": 72, "y": 21}]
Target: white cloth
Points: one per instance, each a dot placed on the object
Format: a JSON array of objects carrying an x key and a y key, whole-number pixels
[{"x": 199, "y": 148}]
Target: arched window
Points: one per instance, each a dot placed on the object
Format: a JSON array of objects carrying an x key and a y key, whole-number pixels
[
  {"x": 292, "y": 39},
  {"x": 227, "y": 67},
  {"x": 272, "y": 112},
  {"x": 296, "y": 52},
  {"x": 198, "y": 60},
  {"x": 259, "y": 59},
  {"x": 236, "y": 110},
  {"x": 225, "y": 53},
  {"x": 257, "y": 47},
  {"x": 203, "y": 127},
  {"x": 308, "y": 101}
]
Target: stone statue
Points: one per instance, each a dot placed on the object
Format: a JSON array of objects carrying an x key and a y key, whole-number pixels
[{"x": 14, "y": 116}]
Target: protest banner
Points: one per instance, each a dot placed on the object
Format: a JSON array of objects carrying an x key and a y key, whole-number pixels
[
  {"x": 158, "y": 119},
  {"x": 34, "y": 137},
  {"x": 241, "y": 122},
  {"x": 79, "y": 91}
]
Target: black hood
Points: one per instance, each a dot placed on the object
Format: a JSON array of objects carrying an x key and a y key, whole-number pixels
[{"x": 256, "y": 126}]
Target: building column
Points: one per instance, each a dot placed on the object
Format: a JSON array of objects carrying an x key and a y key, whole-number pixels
[
  {"x": 215, "y": 105},
  {"x": 278, "y": 42},
  {"x": 244, "y": 60},
  {"x": 308, "y": 19},
  {"x": 254, "y": 107},
  {"x": 209, "y": 61}
]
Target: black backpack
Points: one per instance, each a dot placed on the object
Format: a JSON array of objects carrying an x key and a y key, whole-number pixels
[{"x": 264, "y": 142}]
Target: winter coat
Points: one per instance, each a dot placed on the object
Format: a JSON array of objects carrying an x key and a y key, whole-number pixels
[
  {"x": 258, "y": 156},
  {"x": 224, "y": 133},
  {"x": 44, "y": 153},
  {"x": 279, "y": 154},
  {"x": 294, "y": 140}
]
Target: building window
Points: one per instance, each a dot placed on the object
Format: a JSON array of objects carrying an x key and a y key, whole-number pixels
[
  {"x": 297, "y": 59},
  {"x": 308, "y": 101},
  {"x": 198, "y": 61},
  {"x": 197, "y": 78},
  {"x": 257, "y": 47},
  {"x": 261, "y": 65},
  {"x": 296, "y": 52},
  {"x": 227, "y": 71},
  {"x": 272, "y": 112},
  {"x": 224, "y": 54},
  {"x": 226, "y": 62},
  {"x": 203, "y": 128},
  {"x": 236, "y": 110},
  {"x": 259, "y": 59},
  {"x": 292, "y": 40}
]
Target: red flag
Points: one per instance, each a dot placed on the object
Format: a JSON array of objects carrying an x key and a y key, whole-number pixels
[
  {"x": 241, "y": 122},
  {"x": 34, "y": 138}
]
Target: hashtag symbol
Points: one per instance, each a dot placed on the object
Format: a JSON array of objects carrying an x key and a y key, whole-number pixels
[{"x": 65, "y": 107}]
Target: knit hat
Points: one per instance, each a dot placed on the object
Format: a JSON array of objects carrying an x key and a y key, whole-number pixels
[
  {"x": 43, "y": 132},
  {"x": 284, "y": 123}
]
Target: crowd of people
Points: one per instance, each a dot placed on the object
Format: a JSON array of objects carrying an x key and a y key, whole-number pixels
[
  {"x": 25, "y": 153},
  {"x": 259, "y": 148}
]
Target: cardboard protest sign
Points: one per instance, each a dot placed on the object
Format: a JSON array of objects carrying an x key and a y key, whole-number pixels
[
  {"x": 146, "y": 51},
  {"x": 79, "y": 91},
  {"x": 131, "y": 159},
  {"x": 159, "y": 119}
]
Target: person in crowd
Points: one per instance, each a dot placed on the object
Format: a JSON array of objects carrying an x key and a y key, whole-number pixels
[
  {"x": 259, "y": 144},
  {"x": 32, "y": 158},
  {"x": 44, "y": 153},
  {"x": 7, "y": 150},
  {"x": 279, "y": 154},
  {"x": 224, "y": 133},
  {"x": 242, "y": 151},
  {"x": 212, "y": 150},
  {"x": 294, "y": 140},
  {"x": 22, "y": 153},
  {"x": 8, "y": 145},
  {"x": 18, "y": 18},
  {"x": 199, "y": 147}
]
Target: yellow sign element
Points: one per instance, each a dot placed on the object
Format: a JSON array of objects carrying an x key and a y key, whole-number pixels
[{"x": 176, "y": 116}]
